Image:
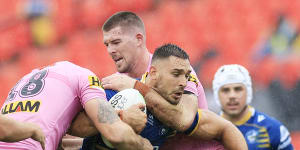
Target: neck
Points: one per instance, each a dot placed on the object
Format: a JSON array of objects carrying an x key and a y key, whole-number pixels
[
  {"x": 141, "y": 65},
  {"x": 236, "y": 118}
]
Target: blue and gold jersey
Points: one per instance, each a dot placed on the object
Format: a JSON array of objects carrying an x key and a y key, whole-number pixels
[
  {"x": 154, "y": 131},
  {"x": 263, "y": 132}
]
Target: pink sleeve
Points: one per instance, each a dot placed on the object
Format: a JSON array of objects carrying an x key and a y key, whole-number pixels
[
  {"x": 90, "y": 87},
  {"x": 202, "y": 103},
  {"x": 194, "y": 86}
]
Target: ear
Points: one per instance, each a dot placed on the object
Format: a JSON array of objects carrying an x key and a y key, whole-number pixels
[
  {"x": 140, "y": 38},
  {"x": 153, "y": 73}
]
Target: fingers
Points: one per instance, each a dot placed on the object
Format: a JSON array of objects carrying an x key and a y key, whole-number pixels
[
  {"x": 109, "y": 78},
  {"x": 120, "y": 114},
  {"x": 141, "y": 105},
  {"x": 43, "y": 143},
  {"x": 108, "y": 83},
  {"x": 41, "y": 139},
  {"x": 107, "y": 86}
]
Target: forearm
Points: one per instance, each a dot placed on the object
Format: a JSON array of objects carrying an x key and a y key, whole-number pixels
[
  {"x": 129, "y": 140},
  {"x": 13, "y": 131},
  {"x": 167, "y": 113},
  {"x": 233, "y": 139},
  {"x": 118, "y": 133},
  {"x": 178, "y": 116}
]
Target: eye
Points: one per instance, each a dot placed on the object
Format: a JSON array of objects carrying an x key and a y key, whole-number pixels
[
  {"x": 115, "y": 42},
  {"x": 238, "y": 89},
  {"x": 176, "y": 74},
  {"x": 225, "y": 90}
]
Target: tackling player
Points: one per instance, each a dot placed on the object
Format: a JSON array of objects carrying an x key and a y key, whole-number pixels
[
  {"x": 232, "y": 88},
  {"x": 170, "y": 70},
  {"x": 52, "y": 96}
]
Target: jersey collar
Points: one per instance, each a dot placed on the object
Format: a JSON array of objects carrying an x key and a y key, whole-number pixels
[{"x": 245, "y": 117}]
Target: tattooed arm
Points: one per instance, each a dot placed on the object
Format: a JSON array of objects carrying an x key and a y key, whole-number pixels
[{"x": 118, "y": 133}]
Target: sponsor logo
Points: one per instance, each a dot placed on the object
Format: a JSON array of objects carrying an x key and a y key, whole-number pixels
[
  {"x": 95, "y": 82},
  {"x": 193, "y": 78},
  {"x": 21, "y": 106},
  {"x": 260, "y": 118},
  {"x": 251, "y": 136}
]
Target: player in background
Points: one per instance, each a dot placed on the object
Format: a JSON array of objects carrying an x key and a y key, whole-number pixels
[
  {"x": 52, "y": 96},
  {"x": 125, "y": 38},
  {"x": 163, "y": 89},
  {"x": 14, "y": 131},
  {"x": 232, "y": 89}
]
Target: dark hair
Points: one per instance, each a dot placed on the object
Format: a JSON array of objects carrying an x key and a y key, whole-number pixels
[
  {"x": 168, "y": 50},
  {"x": 124, "y": 19}
]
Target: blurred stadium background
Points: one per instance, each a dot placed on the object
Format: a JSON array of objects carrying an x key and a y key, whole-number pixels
[{"x": 262, "y": 35}]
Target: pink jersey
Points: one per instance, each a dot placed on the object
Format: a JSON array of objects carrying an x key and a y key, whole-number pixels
[{"x": 50, "y": 97}]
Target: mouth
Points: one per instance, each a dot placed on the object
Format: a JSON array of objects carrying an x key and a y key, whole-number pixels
[
  {"x": 177, "y": 95},
  {"x": 232, "y": 106},
  {"x": 118, "y": 60}
]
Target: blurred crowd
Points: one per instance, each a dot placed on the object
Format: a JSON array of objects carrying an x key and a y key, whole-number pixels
[{"x": 262, "y": 35}]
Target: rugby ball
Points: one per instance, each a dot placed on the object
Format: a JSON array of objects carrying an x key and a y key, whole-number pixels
[
  {"x": 126, "y": 98},
  {"x": 123, "y": 100}
]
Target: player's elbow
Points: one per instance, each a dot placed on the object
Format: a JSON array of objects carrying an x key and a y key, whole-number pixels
[
  {"x": 232, "y": 138},
  {"x": 123, "y": 136},
  {"x": 117, "y": 138},
  {"x": 226, "y": 127}
]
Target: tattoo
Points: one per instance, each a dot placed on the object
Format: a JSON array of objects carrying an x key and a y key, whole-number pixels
[{"x": 106, "y": 113}]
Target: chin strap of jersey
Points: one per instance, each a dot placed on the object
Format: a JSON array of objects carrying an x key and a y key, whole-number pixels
[{"x": 190, "y": 131}]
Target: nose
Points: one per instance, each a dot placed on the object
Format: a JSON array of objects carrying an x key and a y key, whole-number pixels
[
  {"x": 183, "y": 82},
  {"x": 232, "y": 94},
  {"x": 111, "y": 50}
]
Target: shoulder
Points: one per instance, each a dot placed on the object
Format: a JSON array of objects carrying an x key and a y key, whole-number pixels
[
  {"x": 262, "y": 118},
  {"x": 77, "y": 74},
  {"x": 69, "y": 66},
  {"x": 275, "y": 127}
]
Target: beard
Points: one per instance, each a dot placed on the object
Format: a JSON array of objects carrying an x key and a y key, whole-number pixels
[{"x": 162, "y": 93}]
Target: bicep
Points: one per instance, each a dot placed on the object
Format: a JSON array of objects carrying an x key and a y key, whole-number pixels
[{"x": 189, "y": 101}]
